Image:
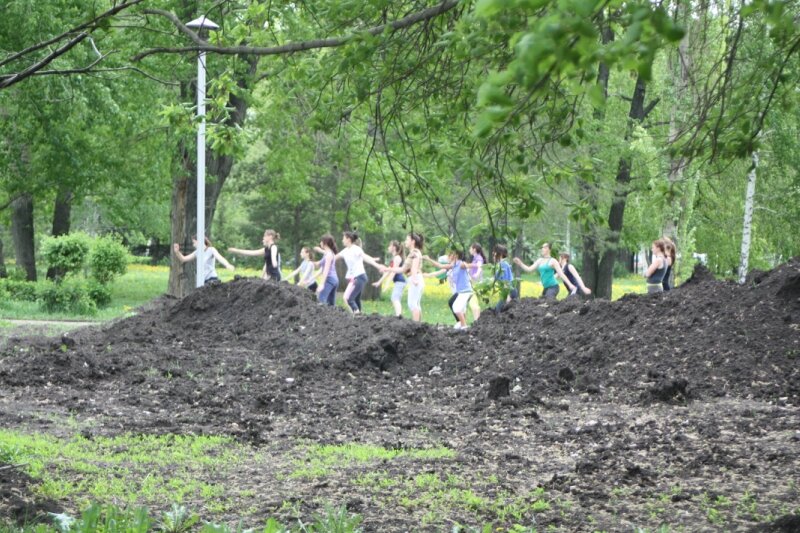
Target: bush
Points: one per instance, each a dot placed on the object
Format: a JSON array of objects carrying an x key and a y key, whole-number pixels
[
  {"x": 107, "y": 260},
  {"x": 19, "y": 289},
  {"x": 69, "y": 296},
  {"x": 66, "y": 253},
  {"x": 99, "y": 293}
]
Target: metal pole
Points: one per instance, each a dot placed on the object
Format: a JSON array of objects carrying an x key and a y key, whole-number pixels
[{"x": 201, "y": 169}]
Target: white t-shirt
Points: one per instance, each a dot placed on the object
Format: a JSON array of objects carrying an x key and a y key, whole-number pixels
[
  {"x": 306, "y": 271},
  {"x": 209, "y": 264},
  {"x": 354, "y": 259}
]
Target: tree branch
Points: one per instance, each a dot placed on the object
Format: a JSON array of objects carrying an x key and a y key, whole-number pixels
[
  {"x": 11, "y": 79},
  {"x": 79, "y": 70},
  {"x": 650, "y": 107},
  {"x": 202, "y": 46}
]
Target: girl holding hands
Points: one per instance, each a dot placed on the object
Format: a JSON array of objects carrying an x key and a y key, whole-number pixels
[
  {"x": 461, "y": 285},
  {"x": 209, "y": 255},
  {"x": 329, "y": 280},
  {"x": 399, "y": 280},
  {"x": 572, "y": 273},
  {"x": 412, "y": 268},
  {"x": 272, "y": 258},
  {"x": 548, "y": 269},
  {"x": 306, "y": 270}
]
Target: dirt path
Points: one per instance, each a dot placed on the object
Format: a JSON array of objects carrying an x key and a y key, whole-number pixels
[{"x": 66, "y": 323}]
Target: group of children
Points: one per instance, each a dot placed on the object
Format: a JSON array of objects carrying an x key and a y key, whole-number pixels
[{"x": 403, "y": 269}]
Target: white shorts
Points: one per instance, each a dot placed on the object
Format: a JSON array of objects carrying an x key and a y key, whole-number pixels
[
  {"x": 397, "y": 291},
  {"x": 460, "y": 305},
  {"x": 415, "y": 292}
]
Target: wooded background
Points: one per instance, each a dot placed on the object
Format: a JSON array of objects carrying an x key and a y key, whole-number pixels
[{"x": 595, "y": 125}]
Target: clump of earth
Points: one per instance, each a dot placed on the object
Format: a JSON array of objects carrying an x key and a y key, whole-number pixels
[{"x": 603, "y": 404}]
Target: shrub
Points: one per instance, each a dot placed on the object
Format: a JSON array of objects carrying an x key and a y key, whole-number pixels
[
  {"x": 69, "y": 296},
  {"x": 99, "y": 293},
  {"x": 19, "y": 289},
  {"x": 107, "y": 260},
  {"x": 66, "y": 253}
]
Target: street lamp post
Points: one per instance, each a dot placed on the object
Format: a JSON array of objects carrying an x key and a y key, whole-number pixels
[{"x": 201, "y": 25}]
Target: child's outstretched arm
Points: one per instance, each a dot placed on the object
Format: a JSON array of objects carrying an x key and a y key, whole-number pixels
[
  {"x": 182, "y": 258},
  {"x": 525, "y": 267},
  {"x": 248, "y": 253},
  {"x": 224, "y": 262}
]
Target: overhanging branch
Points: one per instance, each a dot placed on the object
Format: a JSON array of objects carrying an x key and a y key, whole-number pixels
[
  {"x": 202, "y": 46},
  {"x": 75, "y": 35}
]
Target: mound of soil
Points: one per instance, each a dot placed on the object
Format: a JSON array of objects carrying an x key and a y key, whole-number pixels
[
  {"x": 263, "y": 361},
  {"x": 16, "y": 500},
  {"x": 708, "y": 338}
]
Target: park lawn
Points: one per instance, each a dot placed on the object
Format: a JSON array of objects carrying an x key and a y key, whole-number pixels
[{"x": 143, "y": 283}]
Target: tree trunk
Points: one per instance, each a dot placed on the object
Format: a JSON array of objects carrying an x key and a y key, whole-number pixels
[
  {"x": 748, "y": 219},
  {"x": 518, "y": 251},
  {"x": 3, "y": 271},
  {"x": 590, "y": 254},
  {"x": 616, "y": 214},
  {"x": 180, "y": 274},
  {"x": 373, "y": 246},
  {"x": 677, "y": 215},
  {"x": 62, "y": 212},
  {"x": 22, "y": 233},
  {"x": 184, "y": 189}
]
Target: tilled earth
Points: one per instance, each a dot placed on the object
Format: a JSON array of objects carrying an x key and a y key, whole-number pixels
[{"x": 679, "y": 408}]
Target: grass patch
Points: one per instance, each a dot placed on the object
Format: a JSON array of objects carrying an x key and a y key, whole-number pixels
[
  {"x": 321, "y": 460},
  {"x": 432, "y": 493},
  {"x": 129, "y": 469},
  {"x": 113, "y": 519}
]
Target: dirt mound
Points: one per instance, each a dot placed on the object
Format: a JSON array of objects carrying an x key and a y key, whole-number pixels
[
  {"x": 641, "y": 394},
  {"x": 16, "y": 500},
  {"x": 700, "y": 274},
  {"x": 711, "y": 338},
  {"x": 230, "y": 356},
  {"x": 789, "y": 523}
]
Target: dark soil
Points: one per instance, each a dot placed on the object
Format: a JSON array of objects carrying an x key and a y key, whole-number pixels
[
  {"x": 696, "y": 388},
  {"x": 16, "y": 500}
]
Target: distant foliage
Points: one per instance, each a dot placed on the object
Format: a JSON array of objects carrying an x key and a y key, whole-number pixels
[
  {"x": 69, "y": 296},
  {"x": 107, "y": 260},
  {"x": 99, "y": 293},
  {"x": 18, "y": 289},
  {"x": 66, "y": 253}
]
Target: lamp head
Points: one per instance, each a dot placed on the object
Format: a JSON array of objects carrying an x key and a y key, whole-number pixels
[{"x": 202, "y": 25}]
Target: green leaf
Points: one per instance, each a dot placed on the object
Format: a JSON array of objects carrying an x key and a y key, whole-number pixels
[
  {"x": 596, "y": 96},
  {"x": 489, "y": 8},
  {"x": 491, "y": 94}
]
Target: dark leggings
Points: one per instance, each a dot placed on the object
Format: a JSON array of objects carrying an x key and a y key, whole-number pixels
[
  {"x": 355, "y": 298},
  {"x": 550, "y": 293},
  {"x": 450, "y": 302}
]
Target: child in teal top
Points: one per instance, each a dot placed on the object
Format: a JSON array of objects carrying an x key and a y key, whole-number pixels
[{"x": 548, "y": 268}]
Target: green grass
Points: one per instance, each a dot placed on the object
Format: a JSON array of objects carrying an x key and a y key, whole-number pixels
[
  {"x": 142, "y": 283},
  {"x": 113, "y": 519},
  {"x": 128, "y": 469},
  {"x": 318, "y": 461}
]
